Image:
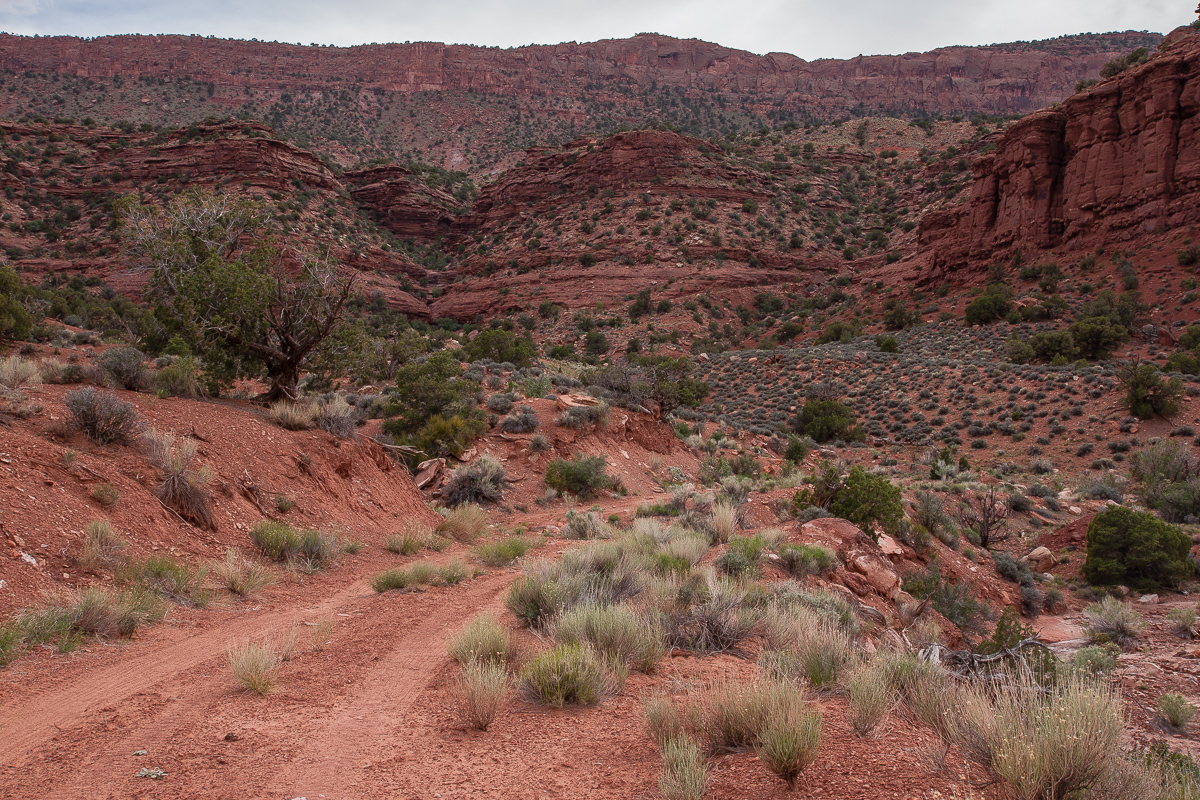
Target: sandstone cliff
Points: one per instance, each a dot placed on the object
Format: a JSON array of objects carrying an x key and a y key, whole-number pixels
[{"x": 1114, "y": 162}]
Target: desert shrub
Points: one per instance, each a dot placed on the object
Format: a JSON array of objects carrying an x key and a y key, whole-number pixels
[
  {"x": 1111, "y": 620},
  {"x": 992, "y": 305},
  {"x": 534, "y": 599},
  {"x": 1135, "y": 549},
  {"x": 684, "y": 775},
  {"x": 179, "y": 379},
  {"x": 1182, "y": 621},
  {"x": 167, "y": 577},
  {"x": 619, "y": 633},
  {"x": 1040, "y": 744},
  {"x": 182, "y": 487},
  {"x": 240, "y": 576},
  {"x": 788, "y": 742},
  {"x": 798, "y": 448},
  {"x": 1147, "y": 392},
  {"x": 15, "y": 322},
  {"x": 126, "y": 368},
  {"x": 801, "y": 560},
  {"x": 871, "y": 695},
  {"x": 717, "y": 624},
  {"x": 868, "y": 501},
  {"x": 501, "y": 346},
  {"x": 824, "y": 650},
  {"x": 339, "y": 417},
  {"x": 101, "y": 545},
  {"x": 255, "y": 665},
  {"x": 586, "y": 525},
  {"x": 293, "y": 416},
  {"x": 432, "y": 406},
  {"x": 484, "y": 639},
  {"x": 19, "y": 373},
  {"x": 479, "y": 482},
  {"x": 568, "y": 673},
  {"x": 500, "y": 403},
  {"x": 825, "y": 420},
  {"x": 479, "y": 692},
  {"x": 523, "y": 420},
  {"x": 580, "y": 417},
  {"x": 308, "y": 550},
  {"x": 584, "y": 476},
  {"x": 463, "y": 523},
  {"x": 1093, "y": 661},
  {"x": 94, "y": 611},
  {"x": 540, "y": 444},
  {"x": 725, "y": 519},
  {"x": 735, "y": 713},
  {"x": 102, "y": 416},
  {"x": 503, "y": 552},
  {"x": 1175, "y": 710}
]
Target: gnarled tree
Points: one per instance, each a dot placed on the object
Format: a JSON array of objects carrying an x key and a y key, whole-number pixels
[{"x": 245, "y": 303}]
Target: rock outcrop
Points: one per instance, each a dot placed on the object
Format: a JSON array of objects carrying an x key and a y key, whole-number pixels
[
  {"x": 1118, "y": 160},
  {"x": 1008, "y": 78}
]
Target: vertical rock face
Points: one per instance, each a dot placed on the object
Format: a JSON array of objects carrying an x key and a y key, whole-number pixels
[
  {"x": 1113, "y": 162},
  {"x": 400, "y": 204}
]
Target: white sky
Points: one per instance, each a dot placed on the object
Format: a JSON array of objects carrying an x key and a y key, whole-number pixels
[{"x": 807, "y": 28}]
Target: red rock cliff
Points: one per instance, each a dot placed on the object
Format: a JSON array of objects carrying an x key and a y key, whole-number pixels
[
  {"x": 1110, "y": 163},
  {"x": 1010, "y": 78}
]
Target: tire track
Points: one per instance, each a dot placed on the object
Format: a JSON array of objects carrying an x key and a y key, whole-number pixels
[
  {"x": 357, "y": 731},
  {"x": 29, "y": 723}
]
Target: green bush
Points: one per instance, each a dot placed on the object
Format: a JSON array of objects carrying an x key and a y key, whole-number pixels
[
  {"x": 1135, "y": 549},
  {"x": 1097, "y": 336},
  {"x": 806, "y": 559},
  {"x": 1147, "y": 392},
  {"x": 583, "y": 476},
  {"x": 823, "y": 420},
  {"x": 501, "y": 346},
  {"x": 433, "y": 387},
  {"x": 15, "y": 322},
  {"x": 992, "y": 305},
  {"x": 441, "y": 436},
  {"x": 868, "y": 501}
]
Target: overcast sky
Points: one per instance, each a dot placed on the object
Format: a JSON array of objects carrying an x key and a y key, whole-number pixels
[{"x": 807, "y": 28}]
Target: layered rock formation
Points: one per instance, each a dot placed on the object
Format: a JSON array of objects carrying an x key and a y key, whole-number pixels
[
  {"x": 1111, "y": 163},
  {"x": 1010, "y": 78}
]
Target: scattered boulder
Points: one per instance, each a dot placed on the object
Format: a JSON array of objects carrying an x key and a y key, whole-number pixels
[{"x": 1041, "y": 559}]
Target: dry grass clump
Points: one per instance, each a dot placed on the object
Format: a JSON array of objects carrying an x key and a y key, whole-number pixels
[
  {"x": 788, "y": 742},
  {"x": 1038, "y": 743},
  {"x": 255, "y": 665},
  {"x": 569, "y": 673},
  {"x": 1182, "y": 621},
  {"x": 479, "y": 692},
  {"x": 463, "y": 523},
  {"x": 182, "y": 485},
  {"x": 322, "y": 632},
  {"x": 419, "y": 574},
  {"x": 240, "y": 576},
  {"x": 102, "y": 545},
  {"x": 19, "y": 373},
  {"x": 1112, "y": 620},
  {"x": 871, "y": 695},
  {"x": 307, "y": 550},
  {"x": 94, "y": 611},
  {"x": 505, "y": 551},
  {"x": 338, "y": 417},
  {"x": 294, "y": 416},
  {"x": 724, "y": 523},
  {"x": 824, "y": 651},
  {"x": 1175, "y": 711},
  {"x": 484, "y": 639},
  {"x": 621, "y": 634},
  {"x": 178, "y": 582},
  {"x": 684, "y": 775},
  {"x": 103, "y": 417}
]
